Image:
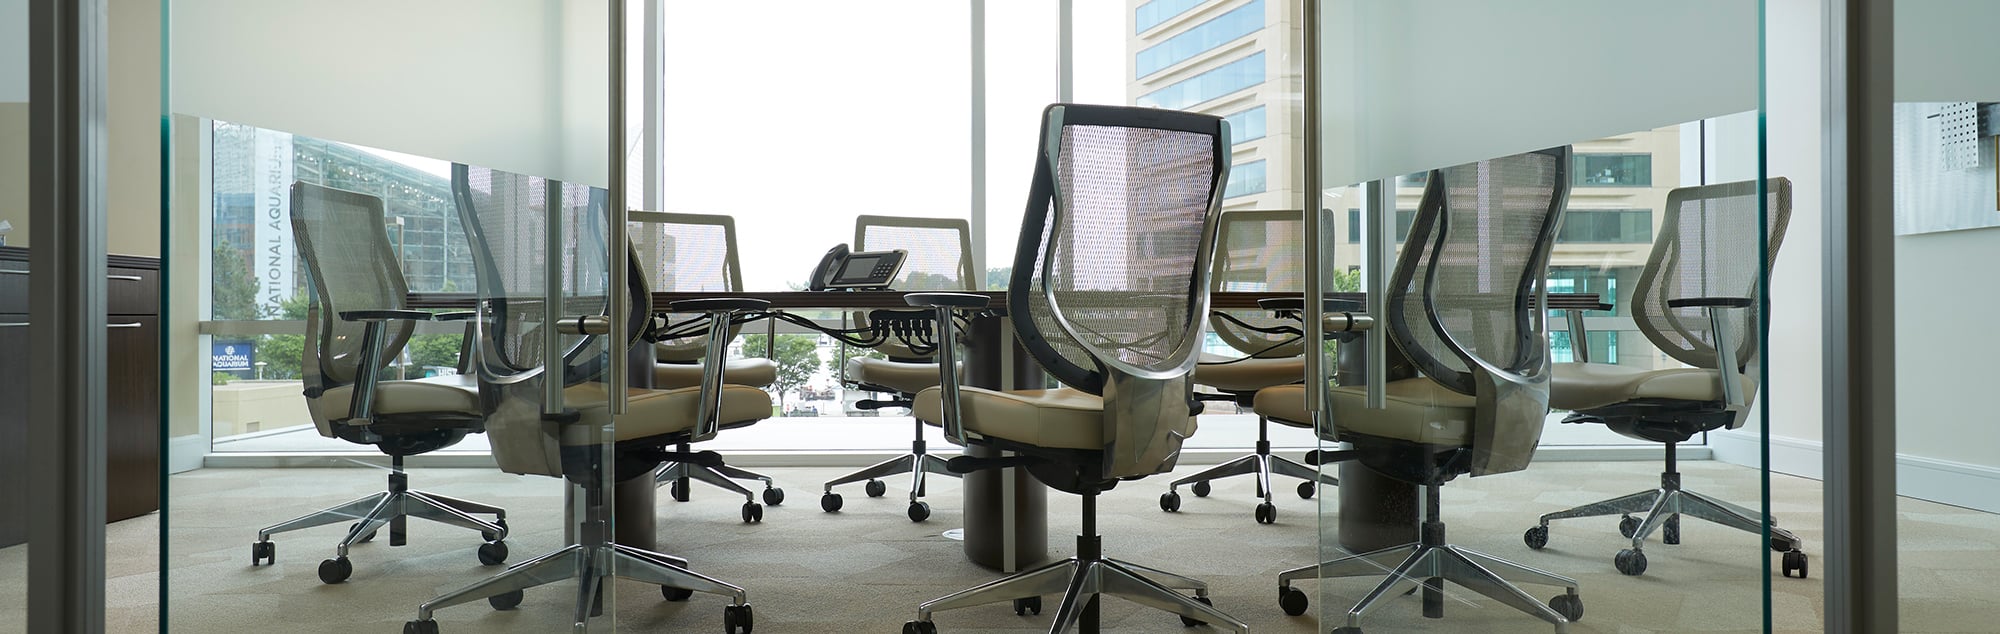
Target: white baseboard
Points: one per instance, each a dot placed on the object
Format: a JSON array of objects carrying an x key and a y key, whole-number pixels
[{"x": 1943, "y": 481}]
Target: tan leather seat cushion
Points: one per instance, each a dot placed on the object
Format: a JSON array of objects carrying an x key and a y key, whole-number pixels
[
  {"x": 1576, "y": 386},
  {"x": 753, "y": 371},
  {"x": 1060, "y": 418},
  {"x": 457, "y": 393},
  {"x": 1418, "y": 410},
  {"x": 1248, "y": 375},
  {"x": 656, "y": 412},
  {"x": 907, "y": 378}
]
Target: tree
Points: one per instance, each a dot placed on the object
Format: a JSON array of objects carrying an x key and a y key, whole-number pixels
[
  {"x": 999, "y": 278},
  {"x": 234, "y": 295},
  {"x": 797, "y": 357}
]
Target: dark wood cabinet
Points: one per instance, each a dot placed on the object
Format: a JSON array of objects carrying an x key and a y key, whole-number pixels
[{"x": 132, "y": 394}]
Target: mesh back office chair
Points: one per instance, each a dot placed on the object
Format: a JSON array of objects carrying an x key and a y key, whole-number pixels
[
  {"x": 940, "y": 260},
  {"x": 1462, "y": 309},
  {"x": 697, "y": 253},
  {"x": 1255, "y": 251},
  {"x": 1697, "y": 302},
  {"x": 504, "y": 216},
  {"x": 1109, "y": 291},
  {"x": 358, "y": 317}
]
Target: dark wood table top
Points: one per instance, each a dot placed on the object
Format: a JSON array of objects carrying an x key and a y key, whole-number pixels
[{"x": 803, "y": 300}]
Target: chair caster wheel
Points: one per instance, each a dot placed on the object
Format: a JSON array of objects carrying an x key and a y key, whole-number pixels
[
  {"x": 1307, "y": 489},
  {"x": 829, "y": 502},
  {"x": 266, "y": 552},
  {"x": 1536, "y": 537},
  {"x": 753, "y": 512},
  {"x": 1293, "y": 600},
  {"x": 1267, "y": 513},
  {"x": 420, "y": 627},
  {"x": 505, "y": 600},
  {"x": 1024, "y": 607},
  {"x": 335, "y": 570},
  {"x": 364, "y": 538},
  {"x": 494, "y": 537},
  {"x": 1628, "y": 526},
  {"x": 1795, "y": 560},
  {"x": 875, "y": 488},
  {"x": 1170, "y": 502},
  {"x": 1568, "y": 605},
  {"x": 678, "y": 489},
  {"x": 736, "y": 619},
  {"x": 774, "y": 496},
  {"x": 671, "y": 593},
  {"x": 919, "y": 627},
  {"x": 1191, "y": 622},
  {"x": 1630, "y": 562},
  {"x": 492, "y": 553},
  {"x": 1201, "y": 489},
  {"x": 919, "y": 511},
  {"x": 1346, "y": 630}
]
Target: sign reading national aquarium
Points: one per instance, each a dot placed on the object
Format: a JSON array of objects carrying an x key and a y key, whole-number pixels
[
  {"x": 231, "y": 356},
  {"x": 271, "y": 177}
]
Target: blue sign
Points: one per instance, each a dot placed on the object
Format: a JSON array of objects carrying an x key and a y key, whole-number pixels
[{"x": 230, "y": 356}]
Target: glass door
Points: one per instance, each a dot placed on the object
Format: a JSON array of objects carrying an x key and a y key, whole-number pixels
[{"x": 15, "y": 329}]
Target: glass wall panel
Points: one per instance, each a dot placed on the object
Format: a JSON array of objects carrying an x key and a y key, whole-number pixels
[
  {"x": 15, "y": 329},
  {"x": 1569, "y": 188},
  {"x": 1947, "y": 224},
  {"x": 320, "y": 238}
]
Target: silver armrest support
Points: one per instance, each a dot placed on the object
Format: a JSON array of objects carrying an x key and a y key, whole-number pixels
[
  {"x": 947, "y": 353},
  {"x": 1579, "y": 339},
  {"x": 361, "y": 406},
  {"x": 1727, "y": 368},
  {"x": 721, "y": 312}
]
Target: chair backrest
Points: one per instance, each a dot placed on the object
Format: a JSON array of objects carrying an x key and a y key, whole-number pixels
[
  {"x": 1707, "y": 248},
  {"x": 1110, "y": 280},
  {"x": 940, "y": 260},
  {"x": 351, "y": 266},
  {"x": 1463, "y": 301},
  {"x": 687, "y": 253},
  {"x": 519, "y": 269},
  {"x": 1259, "y": 251}
]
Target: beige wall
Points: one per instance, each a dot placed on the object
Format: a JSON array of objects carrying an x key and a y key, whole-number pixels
[{"x": 133, "y": 161}]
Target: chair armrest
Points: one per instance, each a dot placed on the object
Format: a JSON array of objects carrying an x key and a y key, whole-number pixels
[
  {"x": 460, "y": 315},
  {"x": 1328, "y": 304},
  {"x": 947, "y": 300},
  {"x": 1709, "y": 302},
  {"x": 717, "y": 303},
  {"x": 384, "y": 315}
]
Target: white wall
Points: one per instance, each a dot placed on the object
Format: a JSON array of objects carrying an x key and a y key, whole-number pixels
[{"x": 487, "y": 82}]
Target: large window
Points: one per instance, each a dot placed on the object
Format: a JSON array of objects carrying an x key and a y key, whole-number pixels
[
  {"x": 1245, "y": 179},
  {"x": 1222, "y": 80},
  {"x": 1623, "y": 226},
  {"x": 1613, "y": 170},
  {"x": 1405, "y": 218},
  {"x": 1153, "y": 13},
  {"x": 1246, "y": 126},
  {"x": 1222, "y": 29}
]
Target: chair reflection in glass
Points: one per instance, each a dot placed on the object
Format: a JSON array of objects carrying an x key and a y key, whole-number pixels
[{"x": 1463, "y": 311}]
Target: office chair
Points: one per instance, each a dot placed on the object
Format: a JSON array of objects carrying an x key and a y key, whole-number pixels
[
  {"x": 357, "y": 318},
  {"x": 1109, "y": 291},
  {"x": 940, "y": 260},
  {"x": 697, "y": 253},
  {"x": 520, "y": 272},
  {"x": 1696, "y": 301},
  {"x": 1462, "y": 309},
  {"x": 1255, "y": 251}
]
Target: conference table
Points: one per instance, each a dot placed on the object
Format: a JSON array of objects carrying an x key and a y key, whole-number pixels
[{"x": 1005, "y": 510}]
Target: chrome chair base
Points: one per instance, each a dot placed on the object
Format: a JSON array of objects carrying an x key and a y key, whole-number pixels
[
  {"x": 1426, "y": 566},
  {"x": 390, "y": 508},
  {"x": 1263, "y": 464},
  {"x": 590, "y": 565},
  {"x": 1663, "y": 508},
  {"x": 722, "y": 476},
  {"x": 913, "y": 463},
  {"x": 1082, "y": 581}
]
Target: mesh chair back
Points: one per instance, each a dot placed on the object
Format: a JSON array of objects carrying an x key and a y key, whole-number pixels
[
  {"x": 1260, "y": 251},
  {"x": 687, "y": 253},
  {"x": 519, "y": 268},
  {"x": 1110, "y": 284},
  {"x": 342, "y": 236},
  {"x": 1462, "y": 301},
  {"x": 940, "y": 260},
  {"x": 1707, "y": 248}
]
